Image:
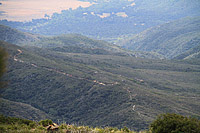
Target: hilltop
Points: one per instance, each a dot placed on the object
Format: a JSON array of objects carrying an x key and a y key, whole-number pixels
[{"x": 14, "y": 36}]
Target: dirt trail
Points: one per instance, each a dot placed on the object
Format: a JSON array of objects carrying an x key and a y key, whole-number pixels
[
  {"x": 58, "y": 71},
  {"x": 15, "y": 57},
  {"x": 131, "y": 97}
]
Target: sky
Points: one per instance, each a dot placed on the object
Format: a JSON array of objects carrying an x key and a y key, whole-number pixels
[{"x": 26, "y": 10}]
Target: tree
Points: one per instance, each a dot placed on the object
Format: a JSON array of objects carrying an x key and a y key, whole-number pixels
[
  {"x": 3, "y": 59},
  {"x": 174, "y": 123}
]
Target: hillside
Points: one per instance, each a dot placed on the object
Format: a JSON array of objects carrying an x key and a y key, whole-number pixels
[
  {"x": 21, "y": 110},
  {"x": 110, "y": 19},
  {"x": 76, "y": 43},
  {"x": 69, "y": 42},
  {"x": 169, "y": 40},
  {"x": 193, "y": 53},
  {"x": 98, "y": 89},
  {"x": 72, "y": 43},
  {"x": 15, "y": 36}
]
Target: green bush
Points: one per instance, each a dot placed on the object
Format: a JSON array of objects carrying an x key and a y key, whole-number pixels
[
  {"x": 13, "y": 120},
  {"x": 40, "y": 128},
  {"x": 32, "y": 125},
  {"x": 174, "y": 123},
  {"x": 46, "y": 122},
  {"x": 2, "y": 129},
  {"x": 125, "y": 129}
]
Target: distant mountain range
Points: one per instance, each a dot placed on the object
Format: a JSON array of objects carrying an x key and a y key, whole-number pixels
[
  {"x": 75, "y": 79},
  {"x": 111, "y": 18}
]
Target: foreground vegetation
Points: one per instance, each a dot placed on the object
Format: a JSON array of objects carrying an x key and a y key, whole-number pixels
[
  {"x": 165, "y": 123},
  {"x": 12, "y": 124},
  {"x": 174, "y": 123}
]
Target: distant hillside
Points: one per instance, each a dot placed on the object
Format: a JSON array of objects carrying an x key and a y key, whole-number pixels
[
  {"x": 21, "y": 110},
  {"x": 169, "y": 40},
  {"x": 100, "y": 90},
  {"x": 16, "y": 37},
  {"x": 190, "y": 54},
  {"x": 72, "y": 43},
  {"x": 76, "y": 43}
]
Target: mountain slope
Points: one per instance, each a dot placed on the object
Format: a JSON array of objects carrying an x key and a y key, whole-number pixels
[
  {"x": 190, "y": 54},
  {"x": 62, "y": 42},
  {"x": 101, "y": 90},
  {"x": 65, "y": 42},
  {"x": 21, "y": 110},
  {"x": 73, "y": 43},
  {"x": 65, "y": 89},
  {"x": 16, "y": 37},
  {"x": 170, "y": 39}
]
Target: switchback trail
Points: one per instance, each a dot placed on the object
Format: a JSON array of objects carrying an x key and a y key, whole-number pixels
[
  {"x": 131, "y": 97},
  {"x": 15, "y": 57},
  {"x": 133, "y": 106}
]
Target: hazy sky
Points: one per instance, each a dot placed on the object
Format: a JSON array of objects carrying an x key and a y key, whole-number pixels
[{"x": 25, "y": 10}]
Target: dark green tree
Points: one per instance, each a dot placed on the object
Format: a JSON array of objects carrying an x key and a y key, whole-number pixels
[
  {"x": 3, "y": 59},
  {"x": 174, "y": 123},
  {"x": 46, "y": 122}
]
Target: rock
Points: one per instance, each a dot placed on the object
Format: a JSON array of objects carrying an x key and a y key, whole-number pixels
[{"x": 53, "y": 127}]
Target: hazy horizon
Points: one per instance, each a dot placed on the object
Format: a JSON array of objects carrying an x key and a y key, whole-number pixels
[{"x": 23, "y": 10}]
